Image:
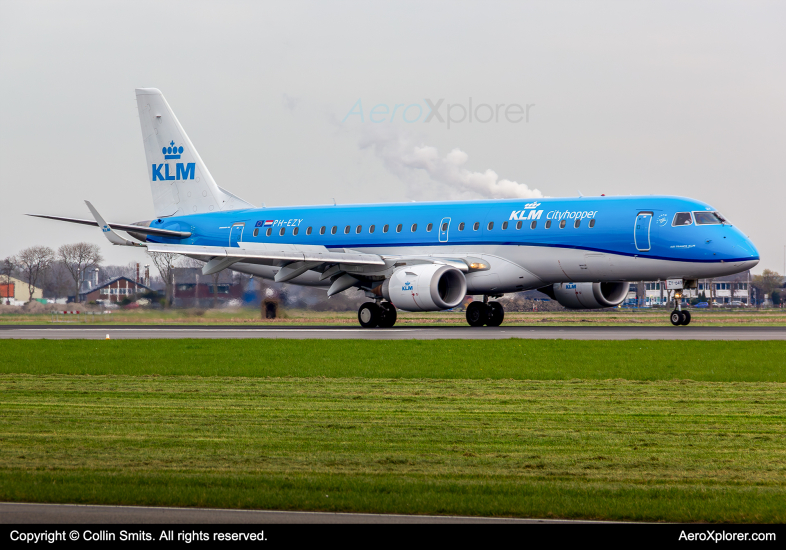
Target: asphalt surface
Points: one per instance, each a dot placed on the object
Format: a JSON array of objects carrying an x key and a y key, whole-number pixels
[
  {"x": 99, "y": 332},
  {"x": 20, "y": 513}
]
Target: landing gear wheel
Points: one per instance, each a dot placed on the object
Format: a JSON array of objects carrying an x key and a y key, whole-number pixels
[
  {"x": 369, "y": 315},
  {"x": 677, "y": 318},
  {"x": 495, "y": 314},
  {"x": 477, "y": 314},
  {"x": 389, "y": 315},
  {"x": 686, "y": 317}
]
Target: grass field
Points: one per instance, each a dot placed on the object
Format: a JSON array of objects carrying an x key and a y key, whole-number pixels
[{"x": 688, "y": 431}]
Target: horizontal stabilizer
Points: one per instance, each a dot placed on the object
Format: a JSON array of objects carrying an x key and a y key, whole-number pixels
[{"x": 122, "y": 227}]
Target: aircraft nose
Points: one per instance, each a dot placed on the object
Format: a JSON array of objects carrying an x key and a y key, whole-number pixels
[
  {"x": 747, "y": 251},
  {"x": 753, "y": 251}
]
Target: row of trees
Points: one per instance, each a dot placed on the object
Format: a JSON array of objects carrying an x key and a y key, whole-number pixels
[
  {"x": 36, "y": 263},
  {"x": 769, "y": 283},
  {"x": 62, "y": 271}
]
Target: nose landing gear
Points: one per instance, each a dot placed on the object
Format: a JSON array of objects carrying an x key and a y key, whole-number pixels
[
  {"x": 679, "y": 317},
  {"x": 486, "y": 313},
  {"x": 372, "y": 314}
]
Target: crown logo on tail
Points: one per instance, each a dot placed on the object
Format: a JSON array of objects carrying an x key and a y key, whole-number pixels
[{"x": 172, "y": 152}]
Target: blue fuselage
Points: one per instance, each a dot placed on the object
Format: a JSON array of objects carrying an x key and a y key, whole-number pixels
[{"x": 635, "y": 227}]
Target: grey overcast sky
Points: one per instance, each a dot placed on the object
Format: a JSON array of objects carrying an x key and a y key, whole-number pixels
[{"x": 682, "y": 98}]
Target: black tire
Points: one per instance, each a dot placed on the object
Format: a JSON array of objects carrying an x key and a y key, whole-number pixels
[
  {"x": 477, "y": 314},
  {"x": 389, "y": 315},
  {"x": 496, "y": 314},
  {"x": 686, "y": 317},
  {"x": 676, "y": 318},
  {"x": 369, "y": 315}
]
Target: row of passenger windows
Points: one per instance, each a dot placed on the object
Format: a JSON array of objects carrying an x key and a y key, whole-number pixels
[{"x": 414, "y": 227}]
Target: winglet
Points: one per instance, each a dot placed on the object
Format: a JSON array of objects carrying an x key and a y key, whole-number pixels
[{"x": 111, "y": 236}]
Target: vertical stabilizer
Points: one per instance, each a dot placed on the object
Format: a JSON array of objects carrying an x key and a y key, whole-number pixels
[{"x": 180, "y": 181}]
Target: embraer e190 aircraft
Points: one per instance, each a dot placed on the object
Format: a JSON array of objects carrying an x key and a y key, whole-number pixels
[{"x": 428, "y": 256}]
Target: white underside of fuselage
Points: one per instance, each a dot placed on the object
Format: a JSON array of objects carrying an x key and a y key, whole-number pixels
[{"x": 514, "y": 268}]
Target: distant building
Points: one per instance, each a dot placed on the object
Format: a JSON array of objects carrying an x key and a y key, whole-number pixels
[
  {"x": 721, "y": 290},
  {"x": 114, "y": 290},
  {"x": 192, "y": 289},
  {"x": 15, "y": 292}
]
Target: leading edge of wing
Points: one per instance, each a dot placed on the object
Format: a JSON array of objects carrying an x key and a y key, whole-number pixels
[{"x": 294, "y": 254}]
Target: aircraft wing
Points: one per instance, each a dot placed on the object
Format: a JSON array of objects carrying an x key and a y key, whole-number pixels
[{"x": 291, "y": 253}]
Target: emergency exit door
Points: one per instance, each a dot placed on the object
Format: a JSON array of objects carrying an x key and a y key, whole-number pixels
[
  {"x": 444, "y": 227},
  {"x": 236, "y": 234}
]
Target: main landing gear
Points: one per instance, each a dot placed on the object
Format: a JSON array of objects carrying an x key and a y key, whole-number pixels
[
  {"x": 679, "y": 317},
  {"x": 373, "y": 314},
  {"x": 486, "y": 313}
]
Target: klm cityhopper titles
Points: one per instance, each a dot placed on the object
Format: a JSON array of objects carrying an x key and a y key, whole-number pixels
[{"x": 428, "y": 256}]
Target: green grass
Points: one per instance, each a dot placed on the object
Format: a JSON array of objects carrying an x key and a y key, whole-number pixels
[
  {"x": 625, "y": 430},
  {"x": 711, "y": 361},
  {"x": 606, "y": 449}
]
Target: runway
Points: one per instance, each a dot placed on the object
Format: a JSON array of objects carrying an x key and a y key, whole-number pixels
[
  {"x": 21, "y": 513},
  {"x": 135, "y": 332}
]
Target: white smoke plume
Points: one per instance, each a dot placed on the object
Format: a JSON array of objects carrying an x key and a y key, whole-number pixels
[{"x": 409, "y": 161}]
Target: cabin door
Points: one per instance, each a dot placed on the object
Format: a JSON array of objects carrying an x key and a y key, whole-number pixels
[{"x": 641, "y": 231}]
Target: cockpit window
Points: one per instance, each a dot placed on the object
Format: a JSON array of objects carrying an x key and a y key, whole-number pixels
[
  {"x": 682, "y": 218},
  {"x": 709, "y": 218}
]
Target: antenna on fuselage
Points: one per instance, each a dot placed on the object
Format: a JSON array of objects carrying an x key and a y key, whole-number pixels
[{"x": 580, "y": 195}]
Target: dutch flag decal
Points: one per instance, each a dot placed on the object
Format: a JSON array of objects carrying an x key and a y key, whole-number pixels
[{"x": 268, "y": 222}]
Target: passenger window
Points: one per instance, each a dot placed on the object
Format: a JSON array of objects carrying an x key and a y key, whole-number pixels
[
  {"x": 429, "y": 227},
  {"x": 445, "y": 226},
  {"x": 518, "y": 225},
  {"x": 577, "y": 223},
  {"x": 562, "y": 224},
  {"x": 592, "y": 223},
  {"x": 491, "y": 226},
  {"x": 346, "y": 230},
  {"x": 322, "y": 230},
  {"x": 282, "y": 231},
  {"x": 371, "y": 229},
  {"x": 385, "y": 228},
  {"x": 504, "y": 225},
  {"x": 256, "y": 231},
  {"x": 548, "y": 224},
  {"x": 308, "y": 230},
  {"x": 475, "y": 226},
  {"x": 269, "y": 231},
  {"x": 359, "y": 229},
  {"x": 398, "y": 228},
  {"x": 333, "y": 230},
  {"x": 294, "y": 231},
  {"x": 461, "y": 226},
  {"x": 414, "y": 227},
  {"x": 533, "y": 225},
  {"x": 682, "y": 218}
]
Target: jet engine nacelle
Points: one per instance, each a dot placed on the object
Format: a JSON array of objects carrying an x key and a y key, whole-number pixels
[
  {"x": 589, "y": 295},
  {"x": 425, "y": 287}
]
